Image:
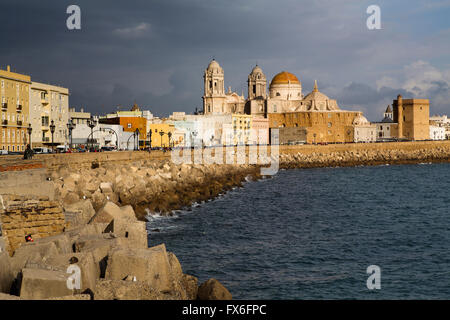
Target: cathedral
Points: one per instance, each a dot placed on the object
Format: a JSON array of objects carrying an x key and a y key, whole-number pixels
[
  {"x": 317, "y": 117},
  {"x": 285, "y": 94}
]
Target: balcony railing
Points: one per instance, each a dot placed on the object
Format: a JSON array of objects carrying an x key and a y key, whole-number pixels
[{"x": 46, "y": 139}]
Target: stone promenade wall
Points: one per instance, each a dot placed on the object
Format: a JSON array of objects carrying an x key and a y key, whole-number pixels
[{"x": 20, "y": 216}]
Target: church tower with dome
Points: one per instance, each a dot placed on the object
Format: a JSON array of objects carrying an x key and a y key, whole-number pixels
[
  {"x": 257, "y": 84},
  {"x": 215, "y": 99},
  {"x": 214, "y": 88}
]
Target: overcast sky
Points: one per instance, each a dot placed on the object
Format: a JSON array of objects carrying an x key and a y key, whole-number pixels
[{"x": 155, "y": 52}]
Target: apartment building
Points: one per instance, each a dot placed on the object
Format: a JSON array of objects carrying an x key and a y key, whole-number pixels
[
  {"x": 49, "y": 103},
  {"x": 14, "y": 97}
]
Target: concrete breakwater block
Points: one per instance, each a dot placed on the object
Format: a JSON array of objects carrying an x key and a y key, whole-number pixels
[
  {"x": 6, "y": 274},
  {"x": 123, "y": 223},
  {"x": 149, "y": 265},
  {"x": 85, "y": 261},
  {"x": 38, "y": 284}
]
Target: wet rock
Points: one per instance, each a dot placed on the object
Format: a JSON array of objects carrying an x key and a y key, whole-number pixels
[{"x": 213, "y": 290}]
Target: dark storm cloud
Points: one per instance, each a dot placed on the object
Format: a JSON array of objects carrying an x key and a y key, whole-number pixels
[
  {"x": 373, "y": 102},
  {"x": 155, "y": 52}
]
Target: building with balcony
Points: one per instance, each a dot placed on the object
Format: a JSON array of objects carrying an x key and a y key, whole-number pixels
[
  {"x": 49, "y": 103},
  {"x": 14, "y": 111}
]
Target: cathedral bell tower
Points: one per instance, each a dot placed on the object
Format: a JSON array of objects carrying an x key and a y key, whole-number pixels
[
  {"x": 214, "y": 89},
  {"x": 257, "y": 84}
]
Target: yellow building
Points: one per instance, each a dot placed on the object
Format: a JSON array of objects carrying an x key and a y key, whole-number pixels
[
  {"x": 241, "y": 125},
  {"x": 14, "y": 96},
  {"x": 160, "y": 134},
  {"x": 321, "y": 126}
]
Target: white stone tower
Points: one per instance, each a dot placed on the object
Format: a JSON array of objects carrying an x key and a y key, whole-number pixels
[{"x": 214, "y": 89}]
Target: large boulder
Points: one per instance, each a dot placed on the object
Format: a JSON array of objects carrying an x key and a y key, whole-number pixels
[
  {"x": 127, "y": 290},
  {"x": 6, "y": 274},
  {"x": 190, "y": 284},
  {"x": 135, "y": 231},
  {"x": 71, "y": 198},
  {"x": 38, "y": 284},
  {"x": 106, "y": 187},
  {"x": 83, "y": 210},
  {"x": 213, "y": 290},
  {"x": 32, "y": 252},
  {"x": 74, "y": 297},
  {"x": 62, "y": 242},
  {"x": 149, "y": 265},
  {"x": 90, "y": 270},
  {"x": 128, "y": 212},
  {"x": 100, "y": 246},
  {"x": 5, "y": 296},
  {"x": 98, "y": 200},
  {"x": 123, "y": 223},
  {"x": 109, "y": 212}
]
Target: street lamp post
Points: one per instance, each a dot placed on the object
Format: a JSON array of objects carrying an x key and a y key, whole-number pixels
[
  {"x": 137, "y": 138},
  {"x": 170, "y": 136},
  {"x": 52, "y": 130},
  {"x": 70, "y": 126},
  {"x": 29, "y": 129},
  {"x": 161, "y": 133},
  {"x": 91, "y": 124},
  {"x": 150, "y": 139},
  {"x": 195, "y": 136}
]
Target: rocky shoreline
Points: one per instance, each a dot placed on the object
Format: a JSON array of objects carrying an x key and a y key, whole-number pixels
[
  {"x": 350, "y": 158},
  {"x": 148, "y": 186}
]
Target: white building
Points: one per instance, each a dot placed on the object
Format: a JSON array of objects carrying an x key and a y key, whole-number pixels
[
  {"x": 441, "y": 121},
  {"x": 385, "y": 127},
  {"x": 364, "y": 130},
  {"x": 437, "y": 133},
  {"x": 101, "y": 135}
]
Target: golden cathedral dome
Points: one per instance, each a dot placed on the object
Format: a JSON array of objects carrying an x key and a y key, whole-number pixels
[{"x": 284, "y": 77}]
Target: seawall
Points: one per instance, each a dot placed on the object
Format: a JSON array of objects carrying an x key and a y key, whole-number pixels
[{"x": 341, "y": 155}]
